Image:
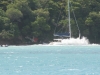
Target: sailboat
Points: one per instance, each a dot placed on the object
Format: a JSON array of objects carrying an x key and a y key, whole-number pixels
[{"x": 66, "y": 38}]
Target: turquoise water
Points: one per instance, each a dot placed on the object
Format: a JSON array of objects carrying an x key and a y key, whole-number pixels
[{"x": 50, "y": 60}]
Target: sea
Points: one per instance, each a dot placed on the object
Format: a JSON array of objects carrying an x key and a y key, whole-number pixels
[{"x": 50, "y": 60}]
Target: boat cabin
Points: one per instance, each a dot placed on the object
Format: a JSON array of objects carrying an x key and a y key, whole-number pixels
[{"x": 59, "y": 36}]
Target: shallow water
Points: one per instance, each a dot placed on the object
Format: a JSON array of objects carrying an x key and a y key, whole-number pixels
[{"x": 50, "y": 60}]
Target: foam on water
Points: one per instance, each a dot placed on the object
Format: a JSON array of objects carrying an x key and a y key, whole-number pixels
[
  {"x": 76, "y": 41},
  {"x": 72, "y": 41}
]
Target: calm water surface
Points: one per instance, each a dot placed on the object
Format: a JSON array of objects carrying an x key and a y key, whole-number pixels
[{"x": 50, "y": 60}]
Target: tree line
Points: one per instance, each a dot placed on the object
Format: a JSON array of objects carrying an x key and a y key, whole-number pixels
[{"x": 23, "y": 20}]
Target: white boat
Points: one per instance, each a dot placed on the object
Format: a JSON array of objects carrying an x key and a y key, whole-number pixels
[
  {"x": 66, "y": 38},
  {"x": 4, "y": 45}
]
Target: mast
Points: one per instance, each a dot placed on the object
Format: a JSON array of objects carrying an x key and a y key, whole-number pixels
[{"x": 69, "y": 19}]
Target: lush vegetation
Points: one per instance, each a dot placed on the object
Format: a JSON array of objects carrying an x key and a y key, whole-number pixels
[{"x": 21, "y": 20}]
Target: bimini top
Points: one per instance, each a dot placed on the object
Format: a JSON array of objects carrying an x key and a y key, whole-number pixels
[{"x": 62, "y": 34}]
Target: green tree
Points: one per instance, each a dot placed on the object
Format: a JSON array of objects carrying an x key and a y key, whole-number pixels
[
  {"x": 4, "y": 25},
  {"x": 14, "y": 14},
  {"x": 93, "y": 22}
]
